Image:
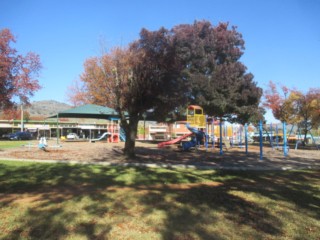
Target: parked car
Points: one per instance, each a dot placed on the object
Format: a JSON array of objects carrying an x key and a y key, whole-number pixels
[
  {"x": 19, "y": 136},
  {"x": 5, "y": 136},
  {"x": 72, "y": 136}
]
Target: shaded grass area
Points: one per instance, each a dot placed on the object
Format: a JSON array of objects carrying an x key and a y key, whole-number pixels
[{"x": 60, "y": 201}]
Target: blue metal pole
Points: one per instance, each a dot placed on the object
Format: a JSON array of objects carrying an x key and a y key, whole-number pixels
[
  {"x": 212, "y": 132},
  {"x": 284, "y": 140},
  {"x": 220, "y": 142},
  {"x": 246, "y": 136},
  {"x": 207, "y": 132},
  {"x": 261, "y": 144},
  {"x": 271, "y": 135},
  {"x": 277, "y": 137}
]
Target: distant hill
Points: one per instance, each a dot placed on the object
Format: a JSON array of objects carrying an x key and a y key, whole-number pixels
[{"x": 46, "y": 108}]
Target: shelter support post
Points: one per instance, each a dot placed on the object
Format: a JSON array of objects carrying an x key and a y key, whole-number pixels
[
  {"x": 261, "y": 144},
  {"x": 58, "y": 132}
]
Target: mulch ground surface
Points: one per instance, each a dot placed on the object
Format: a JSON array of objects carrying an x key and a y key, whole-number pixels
[{"x": 149, "y": 153}]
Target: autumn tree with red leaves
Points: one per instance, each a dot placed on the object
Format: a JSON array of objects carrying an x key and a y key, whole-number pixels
[
  {"x": 294, "y": 107},
  {"x": 276, "y": 101},
  {"x": 303, "y": 109},
  {"x": 14, "y": 113},
  {"x": 18, "y": 74},
  {"x": 133, "y": 80},
  {"x": 77, "y": 93},
  {"x": 98, "y": 81}
]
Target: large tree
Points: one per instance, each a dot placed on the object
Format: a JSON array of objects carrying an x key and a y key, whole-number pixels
[
  {"x": 142, "y": 77},
  {"x": 165, "y": 70},
  {"x": 18, "y": 74},
  {"x": 220, "y": 83}
]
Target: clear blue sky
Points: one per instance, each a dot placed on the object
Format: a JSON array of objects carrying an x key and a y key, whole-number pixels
[{"x": 282, "y": 36}]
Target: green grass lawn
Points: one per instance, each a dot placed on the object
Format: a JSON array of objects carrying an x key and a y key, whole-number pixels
[
  {"x": 13, "y": 144},
  {"x": 59, "y": 201}
]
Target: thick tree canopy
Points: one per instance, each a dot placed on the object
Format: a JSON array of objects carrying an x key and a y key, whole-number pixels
[
  {"x": 165, "y": 70},
  {"x": 18, "y": 74},
  {"x": 219, "y": 80}
]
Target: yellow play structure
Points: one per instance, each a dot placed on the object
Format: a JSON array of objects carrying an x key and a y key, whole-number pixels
[{"x": 195, "y": 116}]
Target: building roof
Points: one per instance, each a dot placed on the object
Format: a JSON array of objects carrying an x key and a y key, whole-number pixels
[{"x": 88, "y": 111}]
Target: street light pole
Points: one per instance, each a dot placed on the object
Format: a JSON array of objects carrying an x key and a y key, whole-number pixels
[{"x": 58, "y": 133}]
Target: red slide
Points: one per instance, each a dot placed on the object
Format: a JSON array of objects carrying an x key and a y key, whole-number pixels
[{"x": 173, "y": 141}]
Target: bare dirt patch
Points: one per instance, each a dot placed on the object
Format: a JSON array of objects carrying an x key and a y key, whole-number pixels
[{"x": 149, "y": 153}]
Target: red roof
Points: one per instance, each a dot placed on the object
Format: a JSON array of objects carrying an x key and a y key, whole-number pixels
[{"x": 194, "y": 107}]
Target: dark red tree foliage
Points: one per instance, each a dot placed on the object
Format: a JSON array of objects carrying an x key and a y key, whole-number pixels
[{"x": 18, "y": 74}]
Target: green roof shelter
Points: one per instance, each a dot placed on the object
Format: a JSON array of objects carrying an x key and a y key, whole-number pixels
[{"x": 89, "y": 111}]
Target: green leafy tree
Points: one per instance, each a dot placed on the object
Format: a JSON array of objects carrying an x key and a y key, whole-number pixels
[{"x": 219, "y": 81}]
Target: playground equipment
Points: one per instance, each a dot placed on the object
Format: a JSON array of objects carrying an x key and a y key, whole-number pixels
[
  {"x": 199, "y": 126},
  {"x": 113, "y": 129},
  {"x": 42, "y": 143},
  {"x": 228, "y": 135},
  {"x": 195, "y": 120},
  {"x": 103, "y": 136},
  {"x": 112, "y": 134},
  {"x": 195, "y": 116},
  {"x": 196, "y": 140},
  {"x": 122, "y": 135},
  {"x": 173, "y": 141}
]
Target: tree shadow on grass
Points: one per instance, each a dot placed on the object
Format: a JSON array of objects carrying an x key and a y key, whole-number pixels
[
  {"x": 297, "y": 187},
  {"x": 190, "y": 210},
  {"x": 54, "y": 188},
  {"x": 190, "y": 213}
]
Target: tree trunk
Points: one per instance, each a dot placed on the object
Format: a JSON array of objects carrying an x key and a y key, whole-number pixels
[
  {"x": 305, "y": 140},
  {"x": 131, "y": 134}
]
